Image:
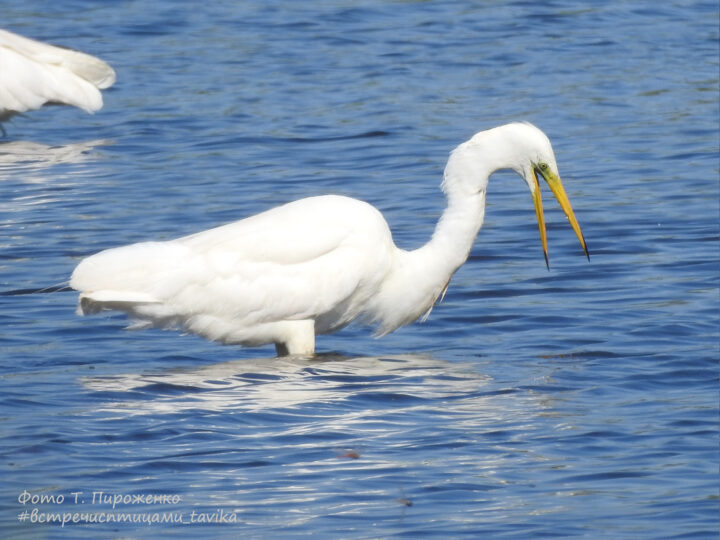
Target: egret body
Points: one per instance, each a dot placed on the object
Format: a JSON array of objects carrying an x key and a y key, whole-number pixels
[
  {"x": 314, "y": 265},
  {"x": 33, "y": 73}
]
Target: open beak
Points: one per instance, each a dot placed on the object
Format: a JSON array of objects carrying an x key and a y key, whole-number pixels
[{"x": 557, "y": 188}]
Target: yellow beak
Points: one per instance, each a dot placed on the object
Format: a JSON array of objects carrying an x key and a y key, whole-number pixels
[{"x": 557, "y": 188}]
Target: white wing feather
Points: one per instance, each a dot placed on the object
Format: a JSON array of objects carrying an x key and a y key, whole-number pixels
[
  {"x": 33, "y": 73},
  {"x": 319, "y": 258}
]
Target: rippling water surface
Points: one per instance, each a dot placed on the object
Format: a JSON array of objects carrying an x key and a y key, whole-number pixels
[{"x": 576, "y": 402}]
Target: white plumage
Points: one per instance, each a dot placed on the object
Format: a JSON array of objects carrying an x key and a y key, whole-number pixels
[
  {"x": 314, "y": 265},
  {"x": 33, "y": 73}
]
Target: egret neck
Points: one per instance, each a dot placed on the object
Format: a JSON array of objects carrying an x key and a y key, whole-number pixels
[{"x": 421, "y": 276}]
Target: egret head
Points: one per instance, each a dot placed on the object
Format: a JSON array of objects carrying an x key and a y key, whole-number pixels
[{"x": 518, "y": 146}]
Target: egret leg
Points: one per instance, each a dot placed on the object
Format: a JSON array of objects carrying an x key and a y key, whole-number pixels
[{"x": 299, "y": 339}]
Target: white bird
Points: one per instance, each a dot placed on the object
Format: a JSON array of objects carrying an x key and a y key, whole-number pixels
[
  {"x": 33, "y": 73},
  {"x": 314, "y": 265}
]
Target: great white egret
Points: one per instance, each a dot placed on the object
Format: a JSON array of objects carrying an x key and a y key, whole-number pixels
[
  {"x": 33, "y": 73},
  {"x": 314, "y": 265}
]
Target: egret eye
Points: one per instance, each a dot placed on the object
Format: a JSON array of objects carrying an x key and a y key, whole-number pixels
[{"x": 543, "y": 166}]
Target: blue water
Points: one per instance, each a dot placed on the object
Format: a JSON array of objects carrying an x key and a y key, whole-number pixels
[{"x": 579, "y": 402}]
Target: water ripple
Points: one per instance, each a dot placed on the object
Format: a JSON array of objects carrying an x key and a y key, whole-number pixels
[{"x": 578, "y": 402}]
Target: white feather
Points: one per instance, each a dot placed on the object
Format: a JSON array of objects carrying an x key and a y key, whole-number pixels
[
  {"x": 33, "y": 73},
  {"x": 252, "y": 272}
]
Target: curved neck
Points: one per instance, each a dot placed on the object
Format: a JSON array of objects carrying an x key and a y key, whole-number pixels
[
  {"x": 465, "y": 182},
  {"x": 420, "y": 277},
  {"x": 455, "y": 233}
]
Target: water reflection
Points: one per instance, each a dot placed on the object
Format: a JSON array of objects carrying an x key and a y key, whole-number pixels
[
  {"x": 278, "y": 383},
  {"x": 30, "y": 158}
]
